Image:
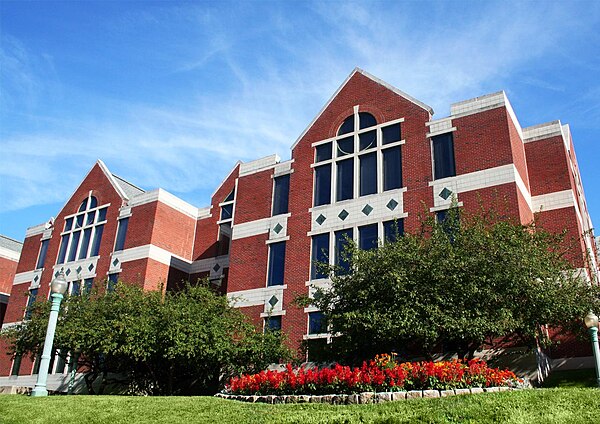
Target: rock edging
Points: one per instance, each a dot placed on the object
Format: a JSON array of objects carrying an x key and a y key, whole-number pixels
[{"x": 362, "y": 398}]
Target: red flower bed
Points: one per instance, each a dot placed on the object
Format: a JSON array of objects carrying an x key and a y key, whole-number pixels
[{"x": 382, "y": 374}]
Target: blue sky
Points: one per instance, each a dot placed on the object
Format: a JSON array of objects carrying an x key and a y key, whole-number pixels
[{"x": 171, "y": 94}]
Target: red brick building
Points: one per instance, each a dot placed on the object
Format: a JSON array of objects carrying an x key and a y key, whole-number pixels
[
  {"x": 372, "y": 159},
  {"x": 10, "y": 251}
]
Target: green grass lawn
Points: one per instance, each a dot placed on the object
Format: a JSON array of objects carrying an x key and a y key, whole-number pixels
[{"x": 559, "y": 405}]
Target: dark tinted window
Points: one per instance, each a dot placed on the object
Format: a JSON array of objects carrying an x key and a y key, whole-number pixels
[
  {"x": 366, "y": 120},
  {"x": 316, "y": 323},
  {"x": 102, "y": 214},
  {"x": 347, "y": 126},
  {"x": 393, "y": 229},
  {"x": 368, "y": 174},
  {"x": 32, "y": 296},
  {"x": 230, "y": 196},
  {"x": 273, "y": 323},
  {"x": 281, "y": 194},
  {"x": 320, "y": 254},
  {"x": 112, "y": 282},
  {"x": 75, "y": 288},
  {"x": 224, "y": 239},
  {"x": 74, "y": 244},
  {"x": 121, "y": 233},
  {"x": 97, "y": 240},
  {"x": 342, "y": 260},
  {"x": 323, "y": 152},
  {"x": 93, "y": 202},
  {"x": 392, "y": 168},
  {"x": 367, "y": 237},
  {"x": 367, "y": 140},
  {"x": 85, "y": 243},
  {"x": 323, "y": 185},
  {"x": 276, "y": 264},
  {"x": 43, "y": 252},
  {"x": 227, "y": 211},
  {"x": 87, "y": 285},
  {"x": 345, "y": 146},
  {"x": 443, "y": 156},
  {"x": 345, "y": 179},
  {"x": 64, "y": 241},
  {"x": 390, "y": 134}
]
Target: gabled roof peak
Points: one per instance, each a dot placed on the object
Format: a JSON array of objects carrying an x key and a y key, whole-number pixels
[{"x": 374, "y": 79}]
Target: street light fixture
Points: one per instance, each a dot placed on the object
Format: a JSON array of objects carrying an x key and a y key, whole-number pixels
[
  {"x": 591, "y": 322},
  {"x": 58, "y": 287}
]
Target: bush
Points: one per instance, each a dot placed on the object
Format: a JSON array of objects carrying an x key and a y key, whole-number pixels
[{"x": 382, "y": 374}]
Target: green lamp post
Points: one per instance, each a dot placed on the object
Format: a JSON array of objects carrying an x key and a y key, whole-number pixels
[
  {"x": 58, "y": 287},
  {"x": 591, "y": 322}
]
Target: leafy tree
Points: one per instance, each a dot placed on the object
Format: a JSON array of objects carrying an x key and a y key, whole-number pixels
[
  {"x": 454, "y": 285},
  {"x": 174, "y": 343}
]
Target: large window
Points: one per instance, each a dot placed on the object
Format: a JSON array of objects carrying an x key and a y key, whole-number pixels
[
  {"x": 361, "y": 151},
  {"x": 367, "y": 237},
  {"x": 320, "y": 255},
  {"x": 224, "y": 241},
  {"x": 276, "y": 264},
  {"x": 227, "y": 206},
  {"x": 121, "y": 233},
  {"x": 42, "y": 255},
  {"x": 273, "y": 323},
  {"x": 392, "y": 230},
  {"x": 281, "y": 194},
  {"x": 443, "y": 156},
  {"x": 83, "y": 232},
  {"x": 30, "y": 300},
  {"x": 342, "y": 257},
  {"x": 316, "y": 323}
]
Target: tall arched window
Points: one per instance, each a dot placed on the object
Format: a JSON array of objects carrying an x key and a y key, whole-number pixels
[{"x": 83, "y": 230}]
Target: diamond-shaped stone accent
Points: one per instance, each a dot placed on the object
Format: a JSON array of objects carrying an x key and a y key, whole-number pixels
[
  {"x": 367, "y": 209},
  {"x": 445, "y": 193},
  {"x": 79, "y": 268},
  {"x": 37, "y": 277},
  {"x": 90, "y": 267},
  {"x": 56, "y": 273},
  {"x": 273, "y": 301},
  {"x": 68, "y": 271},
  {"x": 115, "y": 262},
  {"x": 320, "y": 219},
  {"x": 391, "y": 205},
  {"x": 277, "y": 228},
  {"x": 343, "y": 214},
  {"x": 216, "y": 267}
]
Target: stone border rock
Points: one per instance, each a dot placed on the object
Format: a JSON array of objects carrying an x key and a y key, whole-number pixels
[{"x": 362, "y": 398}]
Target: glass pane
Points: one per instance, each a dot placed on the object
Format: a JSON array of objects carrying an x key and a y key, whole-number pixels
[
  {"x": 316, "y": 323},
  {"x": 323, "y": 152},
  {"x": 87, "y": 285},
  {"x": 366, "y": 120},
  {"x": 90, "y": 218},
  {"x": 347, "y": 126},
  {"x": 32, "y": 296},
  {"x": 75, "y": 288},
  {"x": 273, "y": 323},
  {"x": 345, "y": 179},
  {"x": 392, "y": 168},
  {"x": 345, "y": 146},
  {"x": 42, "y": 257},
  {"x": 224, "y": 239},
  {"x": 227, "y": 211},
  {"x": 93, "y": 202},
  {"x": 68, "y": 224},
  {"x": 276, "y": 264},
  {"x": 390, "y": 134},
  {"x": 79, "y": 221},
  {"x": 97, "y": 239},
  {"x": 367, "y": 140},
  {"x": 74, "y": 245},
  {"x": 281, "y": 195},
  {"x": 393, "y": 229},
  {"x": 230, "y": 196},
  {"x": 121, "y": 232},
  {"x": 320, "y": 254},
  {"x": 323, "y": 185},
  {"x": 342, "y": 260},
  {"x": 368, "y": 174},
  {"x": 83, "y": 206},
  {"x": 367, "y": 237},
  {"x": 443, "y": 156},
  {"x": 102, "y": 214},
  {"x": 112, "y": 282},
  {"x": 85, "y": 243},
  {"x": 63, "y": 249}
]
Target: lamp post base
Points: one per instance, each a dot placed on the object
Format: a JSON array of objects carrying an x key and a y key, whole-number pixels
[{"x": 39, "y": 392}]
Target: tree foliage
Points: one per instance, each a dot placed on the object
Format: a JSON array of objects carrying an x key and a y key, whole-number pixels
[
  {"x": 454, "y": 286},
  {"x": 173, "y": 343}
]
